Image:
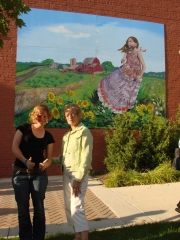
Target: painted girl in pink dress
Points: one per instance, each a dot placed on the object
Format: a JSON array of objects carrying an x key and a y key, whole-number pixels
[{"x": 119, "y": 90}]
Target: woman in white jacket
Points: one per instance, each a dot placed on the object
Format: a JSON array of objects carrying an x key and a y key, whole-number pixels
[{"x": 76, "y": 158}]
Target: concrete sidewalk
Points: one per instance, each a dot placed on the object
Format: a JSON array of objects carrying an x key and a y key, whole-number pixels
[{"x": 105, "y": 207}]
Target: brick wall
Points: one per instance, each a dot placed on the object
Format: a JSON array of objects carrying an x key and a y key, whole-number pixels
[{"x": 161, "y": 11}]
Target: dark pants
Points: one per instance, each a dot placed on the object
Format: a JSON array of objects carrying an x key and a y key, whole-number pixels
[{"x": 35, "y": 184}]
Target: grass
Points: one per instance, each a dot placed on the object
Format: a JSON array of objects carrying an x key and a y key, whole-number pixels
[
  {"x": 153, "y": 231},
  {"x": 164, "y": 173}
]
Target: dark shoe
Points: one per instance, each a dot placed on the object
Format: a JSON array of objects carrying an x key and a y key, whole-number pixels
[
  {"x": 178, "y": 205},
  {"x": 177, "y": 210}
]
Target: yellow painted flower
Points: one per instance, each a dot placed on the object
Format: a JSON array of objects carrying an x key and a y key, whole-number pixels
[
  {"x": 54, "y": 100},
  {"x": 59, "y": 101},
  {"x": 51, "y": 96},
  {"x": 89, "y": 115},
  {"x": 141, "y": 109},
  {"x": 150, "y": 107},
  {"x": 84, "y": 115},
  {"x": 55, "y": 113},
  {"x": 85, "y": 103},
  {"x": 92, "y": 116},
  {"x": 128, "y": 115},
  {"x": 79, "y": 102},
  {"x": 136, "y": 117},
  {"x": 72, "y": 93}
]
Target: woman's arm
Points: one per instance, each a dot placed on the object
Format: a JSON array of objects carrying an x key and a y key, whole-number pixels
[
  {"x": 85, "y": 155},
  {"x": 86, "y": 159},
  {"x": 124, "y": 58},
  {"x": 15, "y": 145},
  {"x": 143, "y": 66},
  {"x": 47, "y": 162},
  {"x": 16, "y": 150},
  {"x": 57, "y": 160}
]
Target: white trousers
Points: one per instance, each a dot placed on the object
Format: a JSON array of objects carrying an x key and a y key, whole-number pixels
[{"x": 74, "y": 207}]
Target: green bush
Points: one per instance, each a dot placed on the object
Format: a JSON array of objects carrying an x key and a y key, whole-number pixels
[
  {"x": 121, "y": 144},
  {"x": 141, "y": 140}
]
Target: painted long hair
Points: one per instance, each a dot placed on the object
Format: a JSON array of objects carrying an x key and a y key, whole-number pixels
[{"x": 125, "y": 47}]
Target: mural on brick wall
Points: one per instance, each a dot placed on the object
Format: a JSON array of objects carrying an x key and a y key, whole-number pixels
[{"x": 106, "y": 65}]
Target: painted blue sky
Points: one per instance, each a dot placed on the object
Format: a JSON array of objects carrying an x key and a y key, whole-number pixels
[{"x": 64, "y": 35}]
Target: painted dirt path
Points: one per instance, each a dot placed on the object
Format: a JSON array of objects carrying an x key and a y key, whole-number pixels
[
  {"x": 20, "y": 79},
  {"x": 28, "y": 98}
]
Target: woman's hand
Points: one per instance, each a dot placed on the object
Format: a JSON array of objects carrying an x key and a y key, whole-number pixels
[
  {"x": 43, "y": 165},
  {"x": 139, "y": 76},
  {"x": 30, "y": 164},
  {"x": 76, "y": 188}
]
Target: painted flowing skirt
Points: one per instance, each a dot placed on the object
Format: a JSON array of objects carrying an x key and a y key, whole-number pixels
[{"x": 118, "y": 91}]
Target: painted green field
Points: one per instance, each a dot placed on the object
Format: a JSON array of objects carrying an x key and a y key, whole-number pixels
[{"x": 152, "y": 90}]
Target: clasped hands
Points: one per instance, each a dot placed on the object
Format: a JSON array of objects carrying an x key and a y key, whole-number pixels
[{"x": 30, "y": 164}]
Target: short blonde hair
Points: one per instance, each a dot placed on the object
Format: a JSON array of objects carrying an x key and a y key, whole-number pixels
[
  {"x": 38, "y": 110},
  {"x": 73, "y": 106}
]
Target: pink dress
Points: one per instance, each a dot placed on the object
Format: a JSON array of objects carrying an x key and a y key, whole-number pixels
[{"x": 119, "y": 89}]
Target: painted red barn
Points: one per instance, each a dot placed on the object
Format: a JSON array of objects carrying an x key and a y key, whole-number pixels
[{"x": 91, "y": 65}]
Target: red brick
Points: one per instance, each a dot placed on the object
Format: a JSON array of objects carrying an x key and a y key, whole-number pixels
[{"x": 162, "y": 11}]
